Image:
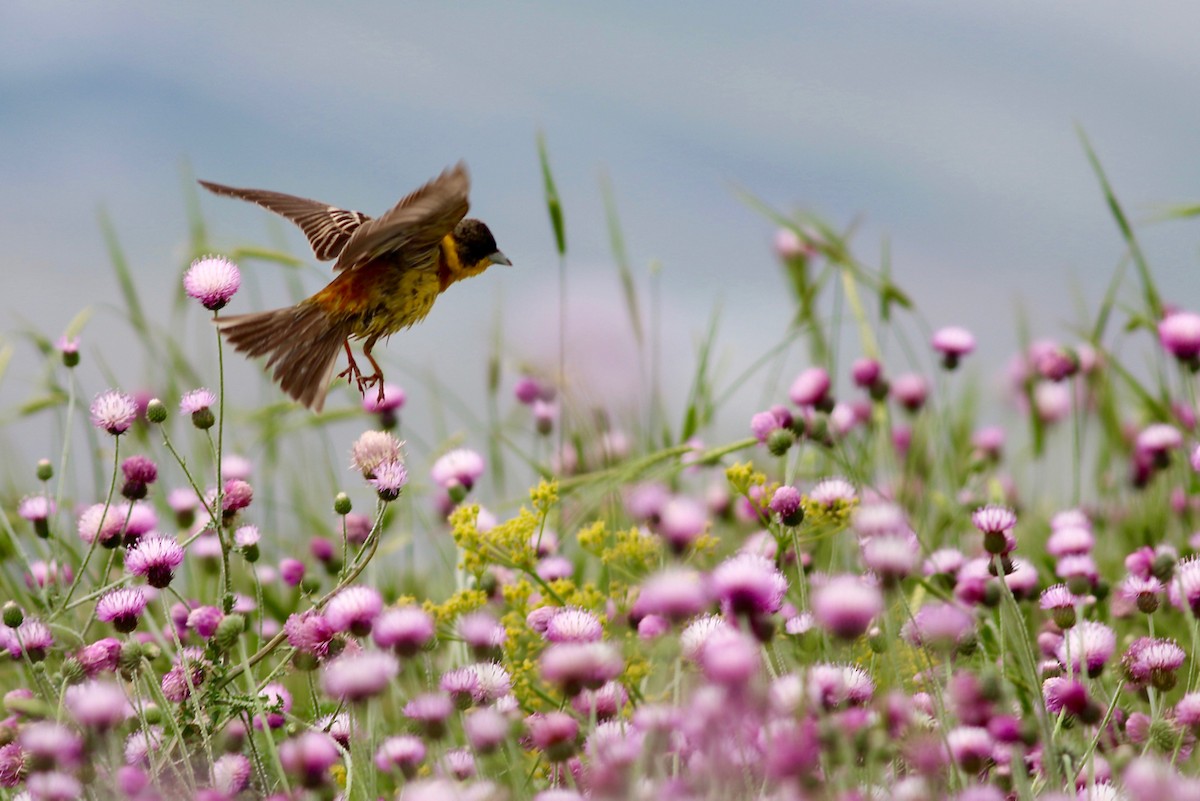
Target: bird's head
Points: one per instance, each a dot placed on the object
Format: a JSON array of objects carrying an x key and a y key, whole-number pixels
[{"x": 476, "y": 247}]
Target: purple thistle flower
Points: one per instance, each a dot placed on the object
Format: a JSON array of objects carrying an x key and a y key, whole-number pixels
[
  {"x": 910, "y": 391},
  {"x": 212, "y": 280},
  {"x": 1187, "y": 711},
  {"x": 494, "y": 681},
  {"x": 54, "y": 786},
  {"x": 140, "y": 472},
  {"x": 953, "y": 342},
  {"x": 100, "y": 656},
  {"x": 462, "y": 685},
  {"x": 996, "y": 524},
  {"x": 749, "y": 584},
  {"x": 682, "y": 522},
  {"x": 1137, "y": 592},
  {"x": 393, "y": 401},
  {"x": 573, "y": 625},
  {"x": 1153, "y": 661},
  {"x": 486, "y": 730},
  {"x": 644, "y": 502},
  {"x": 553, "y": 733},
  {"x": 405, "y": 630},
  {"x": 309, "y": 633},
  {"x": 204, "y": 620},
  {"x": 830, "y": 492},
  {"x": 482, "y": 633},
  {"x": 188, "y": 674},
  {"x": 354, "y": 609},
  {"x": 45, "y": 574},
  {"x": 891, "y": 557},
  {"x": 12, "y": 765},
  {"x": 373, "y": 448},
  {"x": 786, "y": 502},
  {"x": 359, "y": 675},
  {"x": 231, "y": 773},
  {"x": 1070, "y": 541},
  {"x": 122, "y": 607},
  {"x": 693, "y": 638},
  {"x": 291, "y": 571},
  {"x": 810, "y": 388},
  {"x": 880, "y": 517},
  {"x": 114, "y": 412},
  {"x": 32, "y": 639},
  {"x": 1064, "y": 694},
  {"x": 970, "y": 747},
  {"x": 277, "y": 702},
  {"x": 845, "y": 606},
  {"x": 37, "y": 509},
  {"x": 730, "y": 657},
  {"x": 388, "y": 479},
  {"x": 49, "y": 745},
  {"x": 574, "y": 667},
  {"x": 866, "y": 373},
  {"x": 404, "y": 753},
  {"x": 1184, "y": 589},
  {"x": 940, "y": 626},
  {"x": 430, "y": 711},
  {"x": 1060, "y": 602},
  {"x": 763, "y": 424},
  {"x": 605, "y": 703},
  {"x": 676, "y": 594},
  {"x": 461, "y": 467},
  {"x": 309, "y": 756},
  {"x": 99, "y": 705},
  {"x": 832, "y": 686},
  {"x": 1090, "y": 645},
  {"x": 237, "y": 496},
  {"x": 1179, "y": 334},
  {"x": 156, "y": 558}
]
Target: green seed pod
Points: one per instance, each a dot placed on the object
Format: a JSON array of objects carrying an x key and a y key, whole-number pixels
[
  {"x": 341, "y": 504},
  {"x": 156, "y": 411},
  {"x": 228, "y": 630},
  {"x": 45, "y": 470}
]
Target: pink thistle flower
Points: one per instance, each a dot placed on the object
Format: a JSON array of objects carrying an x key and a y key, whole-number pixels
[
  {"x": 187, "y": 675},
  {"x": 891, "y": 557},
  {"x": 786, "y": 502},
  {"x": 605, "y": 703},
  {"x": 830, "y": 492},
  {"x": 970, "y": 746},
  {"x": 114, "y": 412},
  {"x": 693, "y": 638},
  {"x": 372, "y": 449},
  {"x": 156, "y": 558},
  {"x": 486, "y": 730},
  {"x": 49, "y": 745},
  {"x": 1153, "y": 661},
  {"x": 832, "y": 686},
  {"x": 1070, "y": 541},
  {"x": 482, "y": 633},
  {"x": 139, "y": 472},
  {"x": 1187, "y": 711},
  {"x": 405, "y": 630},
  {"x": 99, "y": 705},
  {"x": 996, "y": 524},
  {"x": 749, "y": 584},
  {"x": 876, "y": 518},
  {"x": 763, "y": 424},
  {"x": 989, "y": 442},
  {"x": 675, "y": 594},
  {"x": 1061, "y": 603},
  {"x": 573, "y": 625},
  {"x": 54, "y": 786},
  {"x": 277, "y": 702},
  {"x": 1184, "y": 589},
  {"x": 944, "y": 562},
  {"x": 122, "y": 607},
  {"x": 940, "y": 626},
  {"x": 811, "y": 388},
  {"x": 37, "y": 509},
  {"x": 953, "y": 342},
  {"x": 1179, "y": 334},
  {"x": 461, "y": 467},
  {"x": 212, "y": 280},
  {"x": 846, "y": 605},
  {"x": 231, "y": 773},
  {"x": 730, "y": 657},
  {"x": 32, "y": 639},
  {"x": 682, "y": 522},
  {"x": 430, "y": 711},
  {"x": 462, "y": 685},
  {"x": 100, "y": 656},
  {"x": 574, "y": 667},
  {"x": 45, "y": 574},
  {"x": 291, "y": 571},
  {"x": 910, "y": 390},
  {"x": 389, "y": 479},
  {"x": 1138, "y": 592},
  {"x": 354, "y": 609},
  {"x": 1064, "y": 694},
  {"x": 204, "y": 620},
  {"x": 866, "y": 373},
  {"x": 1088, "y": 646},
  {"x": 237, "y": 496},
  {"x": 494, "y": 681},
  {"x": 393, "y": 401},
  {"x": 309, "y": 633},
  {"x": 359, "y": 675},
  {"x": 404, "y": 753},
  {"x": 553, "y": 733},
  {"x": 309, "y": 756},
  {"x": 12, "y": 765}
]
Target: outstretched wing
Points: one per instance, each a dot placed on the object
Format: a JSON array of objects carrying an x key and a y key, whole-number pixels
[
  {"x": 414, "y": 225},
  {"x": 328, "y": 228}
]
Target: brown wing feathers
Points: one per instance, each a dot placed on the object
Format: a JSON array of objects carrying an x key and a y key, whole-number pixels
[{"x": 328, "y": 228}]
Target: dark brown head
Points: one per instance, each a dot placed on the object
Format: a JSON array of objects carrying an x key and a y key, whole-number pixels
[{"x": 476, "y": 246}]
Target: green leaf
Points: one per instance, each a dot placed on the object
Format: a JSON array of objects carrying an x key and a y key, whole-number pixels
[
  {"x": 553, "y": 203},
  {"x": 617, "y": 241}
]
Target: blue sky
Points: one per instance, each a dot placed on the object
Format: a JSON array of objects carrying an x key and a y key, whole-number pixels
[{"x": 947, "y": 126}]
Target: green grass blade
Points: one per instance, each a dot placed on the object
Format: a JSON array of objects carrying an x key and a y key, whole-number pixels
[
  {"x": 621, "y": 256},
  {"x": 133, "y": 305},
  {"x": 553, "y": 203},
  {"x": 1153, "y": 302}
]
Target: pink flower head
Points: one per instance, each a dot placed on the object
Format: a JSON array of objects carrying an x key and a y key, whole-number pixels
[
  {"x": 866, "y": 372},
  {"x": 892, "y": 556},
  {"x": 356, "y": 676},
  {"x": 1184, "y": 589},
  {"x": 197, "y": 400},
  {"x": 309, "y": 633},
  {"x": 996, "y": 524},
  {"x": 100, "y": 656},
  {"x": 460, "y": 467},
  {"x": 940, "y": 626},
  {"x": 430, "y": 711},
  {"x": 156, "y": 558},
  {"x": 830, "y": 492},
  {"x": 749, "y": 584},
  {"x": 231, "y": 773},
  {"x": 122, "y": 607},
  {"x": 833, "y": 686},
  {"x": 405, "y": 630},
  {"x": 204, "y": 620},
  {"x": 354, "y": 609},
  {"x": 730, "y": 657},
  {"x": 114, "y": 412},
  {"x": 675, "y": 594},
  {"x": 309, "y": 756},
  {"x": 212, "y": 280},
  {"x": 99, "y": 705},
  {"x": 786, "y": 502},
  {"x": 389, "y": 479},
  {"x": 1087, "y": 647},
  {"x": 682, "y": 522},
  {"x": 953, "y": 342},
  {"x": 1179, "y": 334},
  {"x": 372, "y": 449},
  {"x": 1153, "y": 661},
  {"x": 910, "y": 391},
  {"x": 578, "y": 666},
  {"x": 811, "y": 387},
  {"x": 404, "y": 753},
  {"x": 763, "y": 424},
  {"x": 553, "y": 733},
  {"x": 845, "y": 605},
  {"x": 393, "y": 401},
  {"x": 572, "y": 624}
]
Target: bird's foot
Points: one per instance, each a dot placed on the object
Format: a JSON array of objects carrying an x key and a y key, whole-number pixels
[{"x": 365, "y": 382}]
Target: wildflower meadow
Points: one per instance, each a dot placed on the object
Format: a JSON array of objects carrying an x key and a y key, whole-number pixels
[{"x": 892, "y": 581}]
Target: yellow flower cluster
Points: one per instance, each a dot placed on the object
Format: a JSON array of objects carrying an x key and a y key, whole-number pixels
[
  {"x": 508, "y": 544},
  {"x": 457, "y": 605},
  {"x": 630, "y": 551},
  {"x": 835, "y": 516}
]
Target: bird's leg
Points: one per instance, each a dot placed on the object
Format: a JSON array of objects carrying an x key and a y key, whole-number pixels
[
  {"x": 375, "y": 377},
  {"x": 351, "y": 373}
]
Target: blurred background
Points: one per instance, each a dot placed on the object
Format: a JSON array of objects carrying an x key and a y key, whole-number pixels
[{"x": 946, "y": 130}]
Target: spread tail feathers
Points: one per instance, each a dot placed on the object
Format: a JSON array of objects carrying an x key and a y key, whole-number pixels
[{"x": 301, "y": 343}]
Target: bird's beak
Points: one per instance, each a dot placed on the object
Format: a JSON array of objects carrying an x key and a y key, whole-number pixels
[{"x": 499, "y": 258}]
